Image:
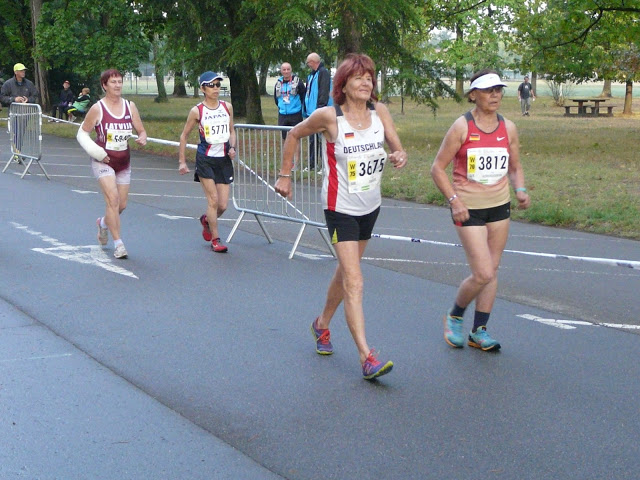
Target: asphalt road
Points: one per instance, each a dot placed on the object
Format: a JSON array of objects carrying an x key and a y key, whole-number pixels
[{"x": 204, "y": 362}]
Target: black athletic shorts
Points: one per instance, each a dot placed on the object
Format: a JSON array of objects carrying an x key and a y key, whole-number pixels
[
  {"x": 220, "y": 169},
  {"x": 349, "y": 228},
  {"x": 482, "y": 216}
]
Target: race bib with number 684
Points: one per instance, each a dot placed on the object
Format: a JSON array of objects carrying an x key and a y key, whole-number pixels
[{"x": 117, "y": 140}]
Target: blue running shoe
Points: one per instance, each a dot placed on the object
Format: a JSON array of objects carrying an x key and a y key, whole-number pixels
[
  {"x": 481, "y": 339},
  {"x": 453, "y": 331},
  {"x": 372, "y": 367},
  {"x": 323, "y": 339}
]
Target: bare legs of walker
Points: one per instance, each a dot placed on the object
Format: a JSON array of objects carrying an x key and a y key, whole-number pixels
[
  {"x": 217, "y": 199},
  {"x": 347, "y": 286},
  {"x": 483, "y": 246},
  {"x": 115, "y": 197}
]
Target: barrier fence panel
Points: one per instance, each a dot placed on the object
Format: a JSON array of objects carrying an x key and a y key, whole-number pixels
[
  {"x": 25, "y": 130},
  {"x": 257, "y": 163}
]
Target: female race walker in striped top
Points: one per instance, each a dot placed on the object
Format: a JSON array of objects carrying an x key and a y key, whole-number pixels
[
  {"x": 217, "y": 147},
  {"x": 114, "y": 120},
  {"x": 484, "y": 149},
  {"x": 354, "y": 132}
]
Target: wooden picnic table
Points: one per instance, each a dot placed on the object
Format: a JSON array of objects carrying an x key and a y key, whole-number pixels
[{"x": 583, "y": 106}]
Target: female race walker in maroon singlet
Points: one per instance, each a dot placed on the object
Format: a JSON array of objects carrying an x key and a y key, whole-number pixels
[{"x": 114, "y": 120}]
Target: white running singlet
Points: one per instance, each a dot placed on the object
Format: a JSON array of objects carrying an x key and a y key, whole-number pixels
[{"x": 353, "y": 167}]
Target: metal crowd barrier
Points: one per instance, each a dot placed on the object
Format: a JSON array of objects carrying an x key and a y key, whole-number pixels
[
  {"x": 25, "y": 130},
  {"x": 257, "y": 163}
]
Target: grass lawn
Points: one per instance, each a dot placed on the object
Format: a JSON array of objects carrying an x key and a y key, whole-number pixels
[{"x": 582, "y": 173}]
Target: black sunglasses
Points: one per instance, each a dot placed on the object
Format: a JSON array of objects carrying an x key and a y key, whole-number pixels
[
  {"x": 212, "y": 84},
  {"x": 497, "y": 89}
]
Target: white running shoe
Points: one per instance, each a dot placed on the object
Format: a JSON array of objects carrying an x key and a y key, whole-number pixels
[
  {"x": 120, "y": 251},
  {"x": 103, "y": 233}
]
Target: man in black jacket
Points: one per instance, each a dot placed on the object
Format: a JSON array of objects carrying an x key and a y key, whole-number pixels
[
  {"x": 66, "y": 99},
  {"x": 18, "y": 89},
  {"x": 318, "y": 95}
]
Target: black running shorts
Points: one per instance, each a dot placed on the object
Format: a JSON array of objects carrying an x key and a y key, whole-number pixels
[
  {"x": 349, "y": 228},
  {"x": 481, "y": 216},
  {"x": 220, "y": 169}
]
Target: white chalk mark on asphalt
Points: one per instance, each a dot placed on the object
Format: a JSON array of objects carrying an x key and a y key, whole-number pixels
[
  {"x": 46, "y": 357},
  {"x": 85, "y": 254}
]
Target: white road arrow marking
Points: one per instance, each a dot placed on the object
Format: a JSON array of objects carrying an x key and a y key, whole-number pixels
[
  {"x": 568, "y": 324},
  {"x": 86, "y": 254}
]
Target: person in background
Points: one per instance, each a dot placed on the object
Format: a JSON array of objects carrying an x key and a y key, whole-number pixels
[
  {"x": 18, "y": 89},
  {"x": 217, "y": 147},
  {"x": 485, "y": 151},
  {"x": 350, "y": 192},
  {"x": 317, "y": 96},
  {"x": 525, "y": 95},
  {"x": 288, "y": 93},
  {"x": 80, "y": 106},
  {"x": 113, "y": 118},
  {"x": 64, "y": 102}
]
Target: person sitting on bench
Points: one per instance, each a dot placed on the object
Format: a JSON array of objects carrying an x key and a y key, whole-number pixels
[{"x": 80, "y": 106}]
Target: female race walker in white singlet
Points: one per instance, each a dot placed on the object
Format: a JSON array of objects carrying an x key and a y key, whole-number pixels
[
  {"x": 354, "y": 133},
  {"x": 216, "y": 150}
]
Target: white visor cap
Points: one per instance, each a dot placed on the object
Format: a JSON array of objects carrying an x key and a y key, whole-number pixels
[{"x": 486, "y": 81}]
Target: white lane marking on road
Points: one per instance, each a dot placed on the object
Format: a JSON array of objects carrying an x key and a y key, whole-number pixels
[
  {"x": 197, "y": 197},
  {"x": 86, "y": 254},
  {"x": 605, "y": 261},
  {"x": 568, "y": 324},
  {"x": 45, "y": 357},
  {"x": 173, "y": 217}
]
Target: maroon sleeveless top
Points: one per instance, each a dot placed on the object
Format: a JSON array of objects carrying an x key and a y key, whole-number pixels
[{"x": 113, "y": 134}]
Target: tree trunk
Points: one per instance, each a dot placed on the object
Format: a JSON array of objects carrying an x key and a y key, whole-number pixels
[
  {"x": 253, "y": 101},
  {"x": 179, "y": 88},
  {"x": 159, "y": 70},
  {"x": 40, "y": 75},
  {"x": 384, "y": 94},
  {"x": 350, "y": 37},
  {"x": 534, "y": 82},
  {"x": 606, "y": 89},
  {"x": 238, "y": 94},
  {"x": 628, "y": 96},
  {"x": 264, "y": 73},
  {"x": 459, "y": 68}
]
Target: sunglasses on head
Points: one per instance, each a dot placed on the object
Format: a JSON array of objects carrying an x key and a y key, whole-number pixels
[
  {"x": 497, "y": 89},
  {"x": 212, "y": 84}
]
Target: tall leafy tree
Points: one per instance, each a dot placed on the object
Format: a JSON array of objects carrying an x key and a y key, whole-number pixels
[
  {"x": 580, "y": 40},
  {"x": 88, "y": 37}
]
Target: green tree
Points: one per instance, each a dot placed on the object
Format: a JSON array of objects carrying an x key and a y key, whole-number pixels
[
  {"x": 89, "y": 37},
  {"x": 580, "y": 40}
]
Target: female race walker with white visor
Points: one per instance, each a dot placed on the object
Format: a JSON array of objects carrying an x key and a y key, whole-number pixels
[
  {"x": 114, "y": 120},
  {"x": 216, "y": 149},
  {"x": 484, "y": 149},
  {"x": 354, "y": 132}
]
